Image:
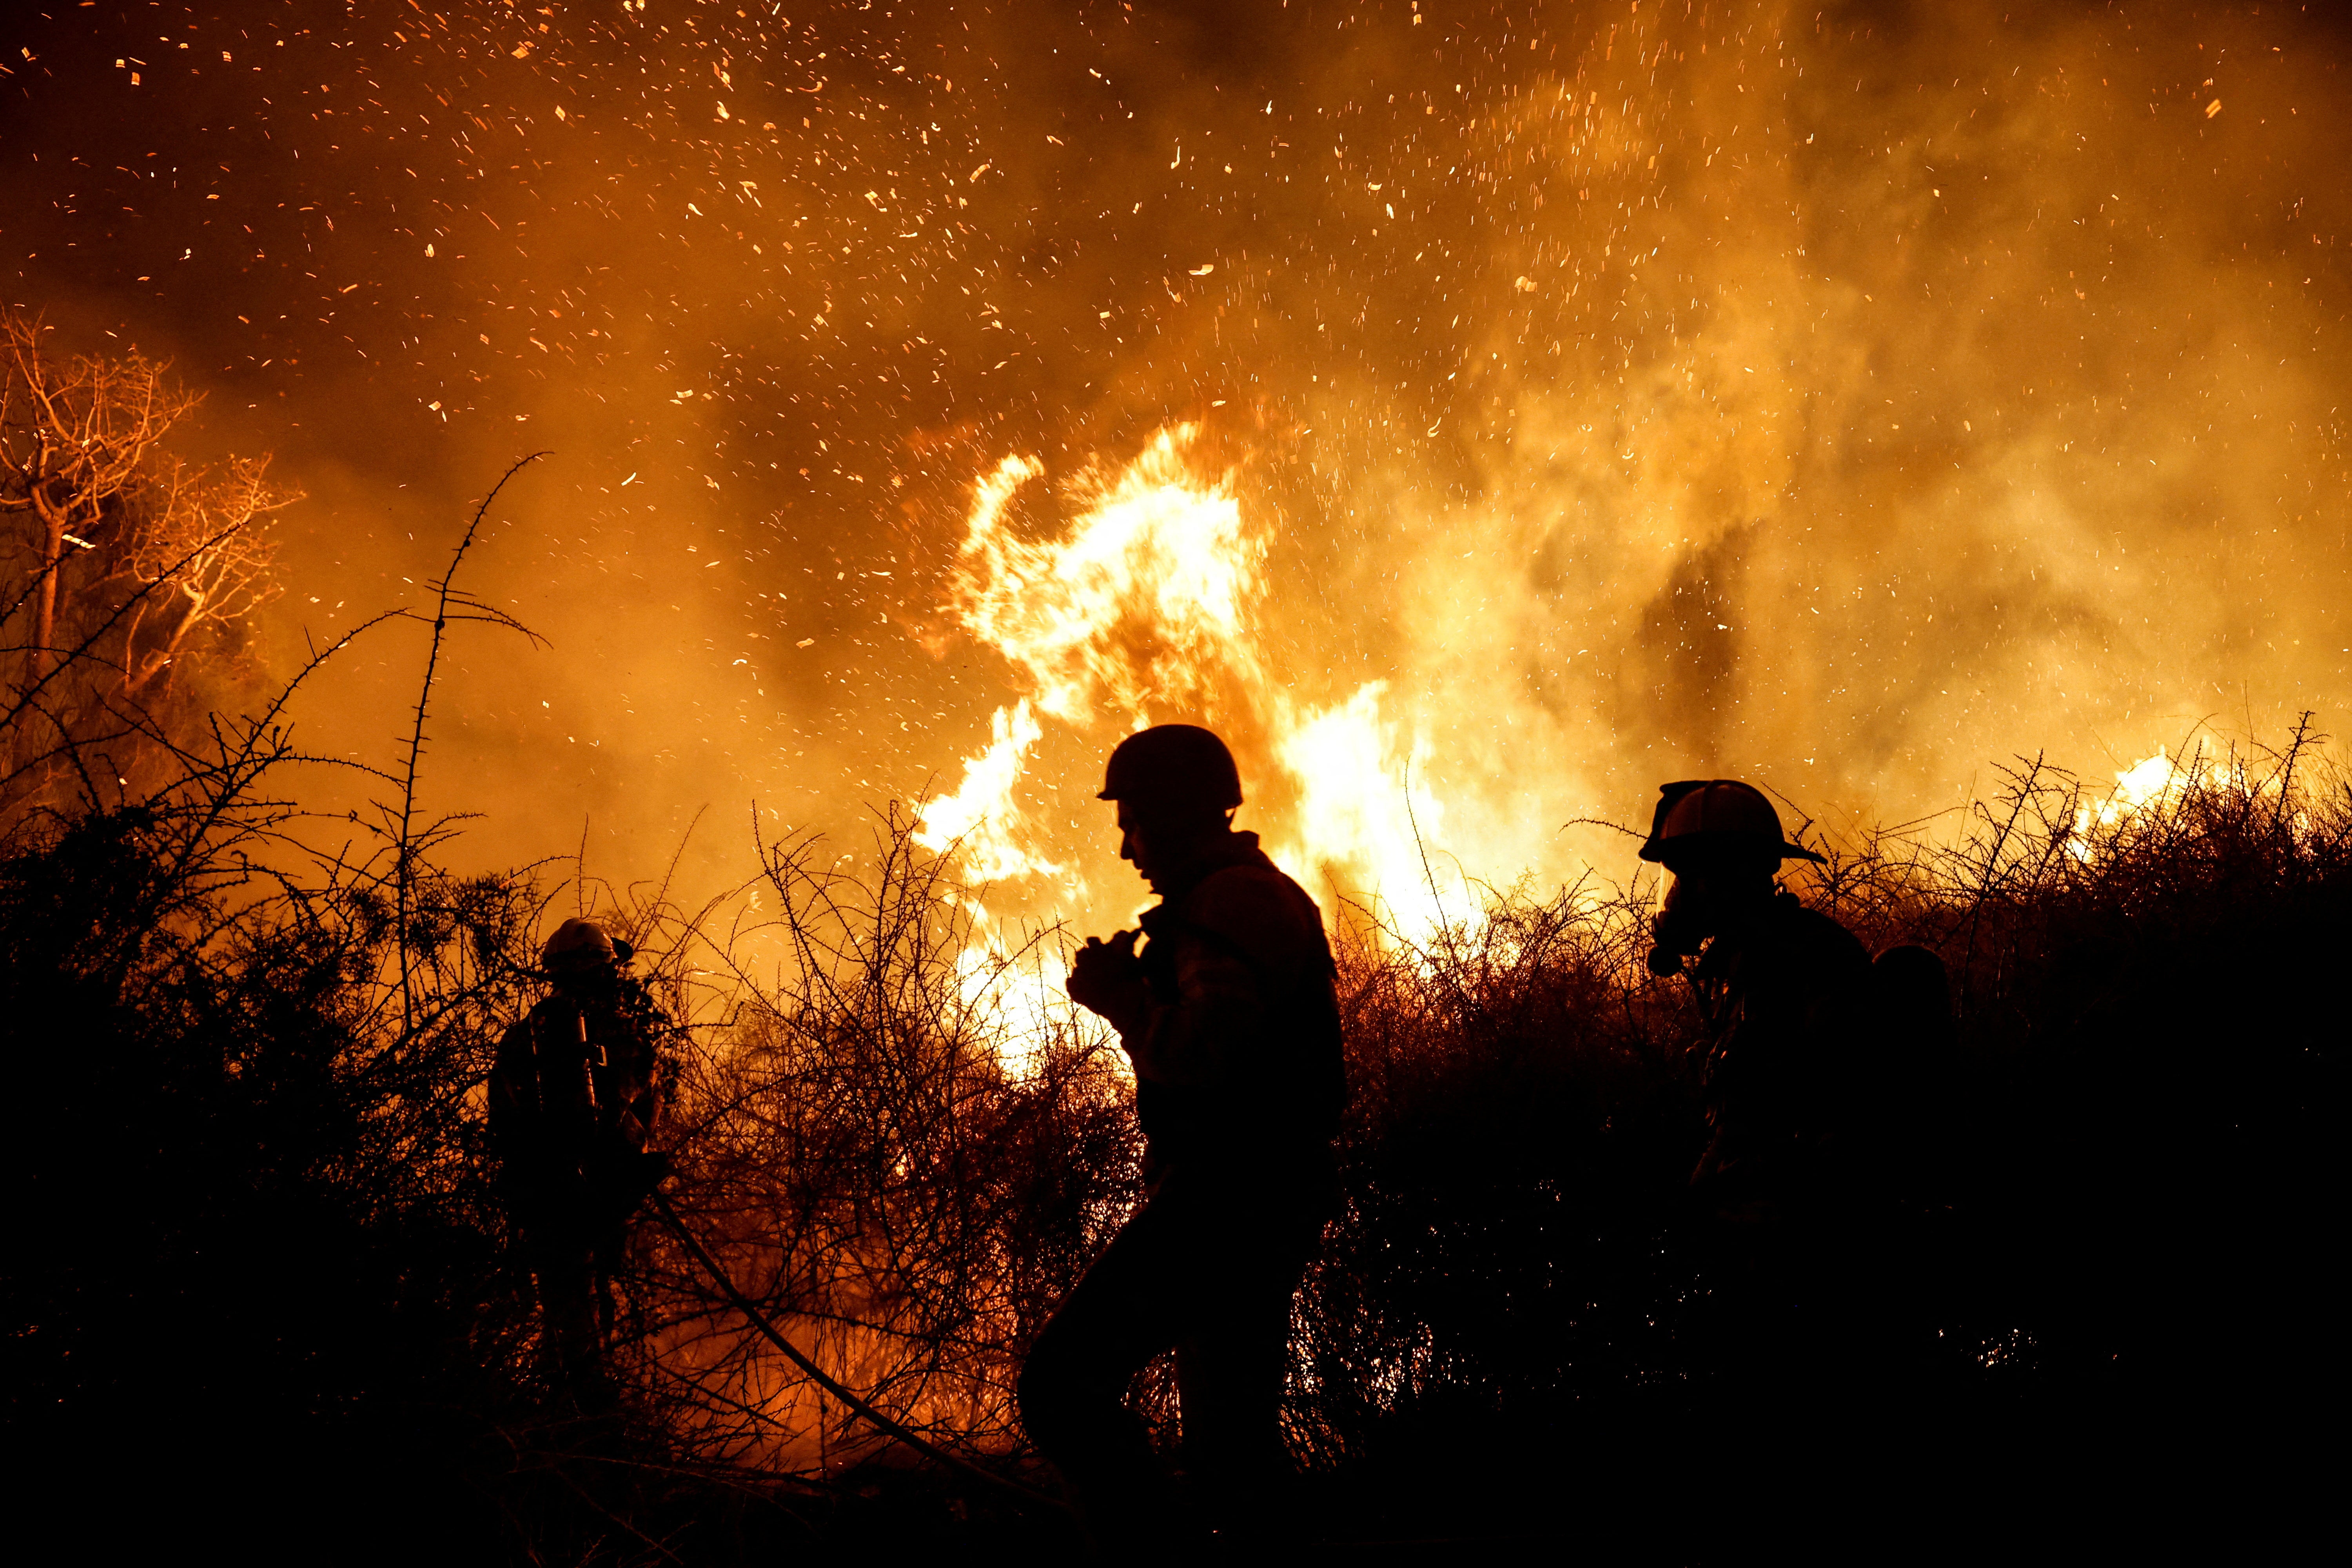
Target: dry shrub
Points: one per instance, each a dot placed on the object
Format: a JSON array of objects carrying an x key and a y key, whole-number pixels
[
  {"x": 1515, "y": 1239},
  {"x": 255, "y": 1199},
  {"x": 256, "y": 1236},
  {"x": 875, "y": 1164}
]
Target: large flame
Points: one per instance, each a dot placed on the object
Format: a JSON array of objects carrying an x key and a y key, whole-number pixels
[
  {"x": 1146, "y": 608},
  {"x": 1142, "y": 607},
  {"x": 1842, "y": 399}
]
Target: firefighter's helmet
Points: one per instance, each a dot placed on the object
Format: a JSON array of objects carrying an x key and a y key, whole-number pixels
[
  {"x": 1698, "y": 818},
  {"x": 1181, "y": 767},
  {"x": 582, "y": 944}
]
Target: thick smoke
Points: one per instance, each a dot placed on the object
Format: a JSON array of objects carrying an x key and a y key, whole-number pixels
[
  {"x": 1845, "y": 398},
  {"x": 1845, "y": 411}
]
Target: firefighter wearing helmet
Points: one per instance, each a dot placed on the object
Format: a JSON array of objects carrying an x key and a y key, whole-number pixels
[
  {"x": 1786, "y": 1001},
  {"x": 1777, "y": 984},
  {"x": 1228, "y": 1017},
  {"x": 573, "y": 1097}
]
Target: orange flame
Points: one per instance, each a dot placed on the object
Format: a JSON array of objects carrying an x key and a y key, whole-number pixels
[
  {"x": 1144, "y": 610},
  {"x": 2158, "y": 781}
]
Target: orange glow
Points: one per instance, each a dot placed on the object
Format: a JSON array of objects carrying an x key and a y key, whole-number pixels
[
  {"x": 1150, "y": 607},
  {"x": 1540, "y": 407},
  {"x": 2164, "y": 779},
  {"x": 1479, "y": 416}
]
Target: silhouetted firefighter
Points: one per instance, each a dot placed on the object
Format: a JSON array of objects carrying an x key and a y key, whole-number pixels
[
  {"x": 572, "y": 1100},
  {"x": 1230, "y": 1019},
  {"x": 1780, "y": 986},
  {"x": 1814, "y": 1061}
]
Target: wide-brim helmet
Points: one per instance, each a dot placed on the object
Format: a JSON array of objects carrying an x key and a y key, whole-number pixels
[
  {"x": 581, "y": 944},
  {"x": 1180, "y": 767},
  {"x": 1698, "y": 818}
]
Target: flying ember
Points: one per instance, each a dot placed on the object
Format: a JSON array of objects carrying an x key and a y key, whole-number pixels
[{"x": 1481, "y": 415}]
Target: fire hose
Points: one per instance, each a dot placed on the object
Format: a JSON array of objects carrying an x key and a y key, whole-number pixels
[{"x": 817, "y": 1375}]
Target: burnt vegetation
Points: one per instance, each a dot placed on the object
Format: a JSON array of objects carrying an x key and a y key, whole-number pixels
[{"x": 263, "y": 1283}]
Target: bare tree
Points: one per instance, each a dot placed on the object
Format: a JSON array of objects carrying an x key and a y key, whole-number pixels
[{"x": 125, "y": 565}]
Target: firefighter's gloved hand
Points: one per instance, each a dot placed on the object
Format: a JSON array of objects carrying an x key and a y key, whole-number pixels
[{"x": 1106, "y": 977}]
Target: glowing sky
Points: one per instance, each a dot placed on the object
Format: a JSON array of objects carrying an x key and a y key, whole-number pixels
[{"x": 1851, "y": 396}]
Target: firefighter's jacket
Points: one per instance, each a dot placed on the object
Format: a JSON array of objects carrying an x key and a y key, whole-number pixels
[
  {"x": 1787, "y": 1074},
  {"x": 1237, "y": 1063},
  {"x": 573, "y": 1094}
]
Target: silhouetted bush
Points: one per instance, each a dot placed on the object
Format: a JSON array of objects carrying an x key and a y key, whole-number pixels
[
  {"x": 260, "y": 1261},
  {"x": 880, "y": 1166},
  {"x": 2123, "y": 1162},
  {"x": 254, "y": 1261}
]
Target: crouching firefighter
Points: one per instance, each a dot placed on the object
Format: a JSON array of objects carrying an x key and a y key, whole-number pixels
[
  {"x": 1230, "y": 1019},
  {"x": 572, "y": 1100}
]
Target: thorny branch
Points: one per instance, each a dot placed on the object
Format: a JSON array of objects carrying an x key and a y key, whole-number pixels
[{"x": 406, "y": 842}]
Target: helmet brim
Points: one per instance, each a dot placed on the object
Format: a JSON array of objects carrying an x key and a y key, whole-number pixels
[{"x": 1698, "y": 846}]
